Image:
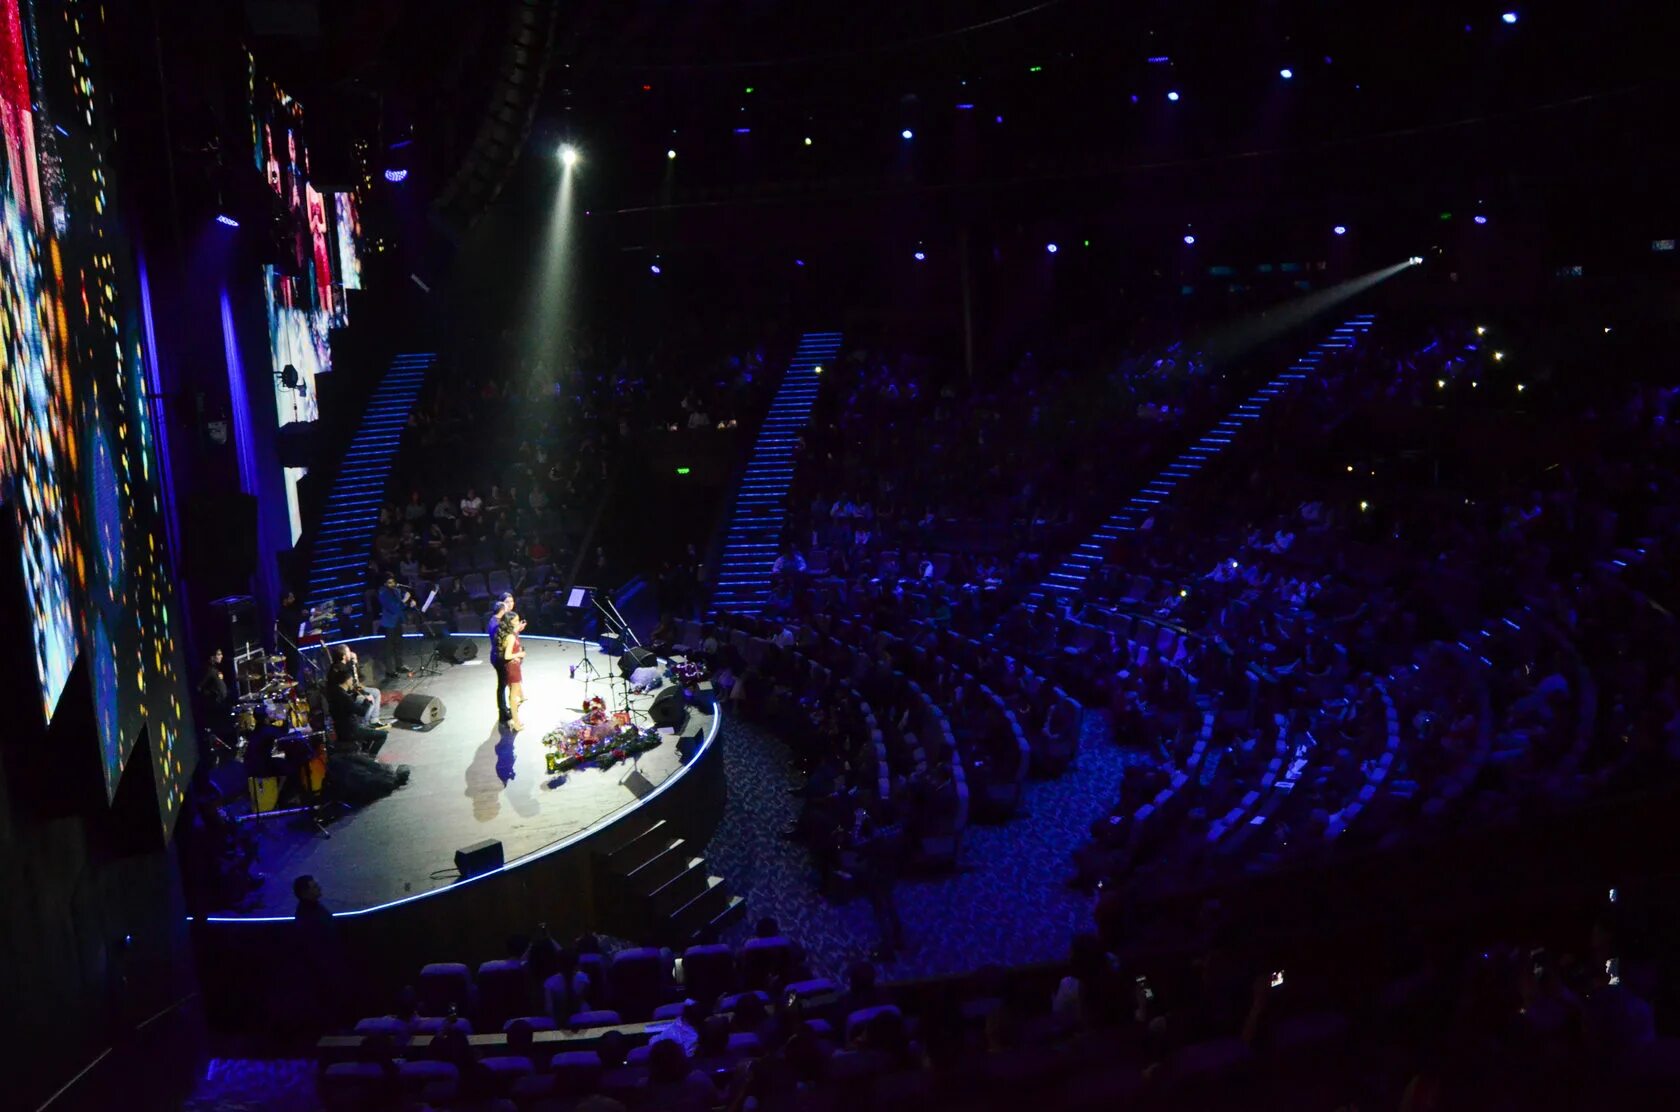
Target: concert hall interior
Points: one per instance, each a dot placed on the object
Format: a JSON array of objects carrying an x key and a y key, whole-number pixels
[{"x": 807, "y": 556}]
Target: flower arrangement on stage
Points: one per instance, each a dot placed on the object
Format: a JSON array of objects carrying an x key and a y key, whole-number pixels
[
  {"x": 601, "y": 744},
  {"x": 688, "y": 672}
]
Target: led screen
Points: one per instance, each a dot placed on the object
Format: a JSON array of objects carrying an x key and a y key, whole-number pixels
[
  {"x": 305, "y": 294},
  {"x": 80, "y": 463}
]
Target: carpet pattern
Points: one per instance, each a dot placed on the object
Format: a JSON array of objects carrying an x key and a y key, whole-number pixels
[{"x": 1007, "y": 902}]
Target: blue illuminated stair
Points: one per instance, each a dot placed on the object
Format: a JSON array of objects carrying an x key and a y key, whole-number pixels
[
  {"x": 742, "y": 584},
  {"x": 344, "y": 537},
  {"x": 1070, "y": 576}
]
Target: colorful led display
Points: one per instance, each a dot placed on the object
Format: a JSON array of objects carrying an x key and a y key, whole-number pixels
[{"x": 80, "y": 464}]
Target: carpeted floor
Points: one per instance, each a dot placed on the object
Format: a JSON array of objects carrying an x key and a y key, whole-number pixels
[{"x": 1007, "y": 903}]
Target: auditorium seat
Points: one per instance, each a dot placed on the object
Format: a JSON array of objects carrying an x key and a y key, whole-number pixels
[
  {"x": 708, "y": 972},
  {"x": 763, "y": 958},
  {"x": 499, "y": 583},
  {"x": 444, "y": 983},
  {"x": 384, "y": 1025},
  {"x": 504, "y": 990},
  {"x": 575, "y": 1071},
  {"x": 415, "y": 1074},
  {"x": 640, "y": 982},
  {"x": 600, "y": 1017},
  {"x": 473, "y": 584}
]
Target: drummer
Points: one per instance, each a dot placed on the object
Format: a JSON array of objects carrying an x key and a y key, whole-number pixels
[{"x": 274, "y": 750}]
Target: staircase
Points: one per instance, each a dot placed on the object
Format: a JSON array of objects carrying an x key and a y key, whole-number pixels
[
  {"x": 755, "y": 526},
  {"x": 344, "y": 538},
  {"x": 658, "y": 882},
  {"x": 1070, "y": 576}
]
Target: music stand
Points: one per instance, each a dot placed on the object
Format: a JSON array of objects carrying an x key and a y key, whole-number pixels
[
  {"x": 576, "y": 599},
  {"x": 439, "y": 632}
]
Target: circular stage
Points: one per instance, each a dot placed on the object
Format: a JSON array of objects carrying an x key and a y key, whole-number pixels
[{"x": 473, "y": 780}]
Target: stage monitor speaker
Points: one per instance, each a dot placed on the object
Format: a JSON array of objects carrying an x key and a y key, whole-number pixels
[
  {"x": 480, "y": 857},
  {"x": 669, "y": 708},
  {"x": 421, "y": 709},
  {"x": 636, "y": 658}
]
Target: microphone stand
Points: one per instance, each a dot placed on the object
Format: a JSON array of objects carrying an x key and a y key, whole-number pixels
[{"x": 616, "y": 622}]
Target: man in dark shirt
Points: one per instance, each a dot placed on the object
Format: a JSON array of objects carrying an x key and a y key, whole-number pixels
[
  {"x": 493, "y": 630},
  {"x": 213, "y": 688},
  {"x": 393, "y": 607},
  {"x": 347, "y": 717}
]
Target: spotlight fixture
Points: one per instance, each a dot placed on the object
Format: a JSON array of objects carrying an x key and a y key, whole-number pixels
[
  {"x": 670, "y": 154},
  {"x": 654, "y": 269},
  {"x": 1173, "y": 96},
  {"x": 226, "y": 220},
  {"x": 568, "y": 155},
  {"x": 907, "y": 134},
  {"x": 807, "y": 140},
  {"x": 1481, "y": 330},
  {"x": 1499, "y": 357},
  {"x": 396, "y": 175},
  {"x": 1052, "y": 248},
  {"x": 1508, "y": 17},
  {"x": 1189, "y": 241},
  {"x": 816, "y": 370},
  {"x": 921, "y": 256},
  {"x": 1416, "y": 260},
  {"x": 1286, "y": 74},
  {"x": 1479, "y": 218},
  {"x": 1340, "y": 229}
]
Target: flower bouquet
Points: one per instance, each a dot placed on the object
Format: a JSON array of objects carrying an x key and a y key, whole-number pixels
[
  {"x": 575, "y": 745},
  {"x": 688, "y": 672}
]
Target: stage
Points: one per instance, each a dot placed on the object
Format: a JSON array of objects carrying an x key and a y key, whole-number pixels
[{"x": 471, "y": 780}]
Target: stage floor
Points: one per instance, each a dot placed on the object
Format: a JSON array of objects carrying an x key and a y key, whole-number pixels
[{"x": 470, "y": 780}]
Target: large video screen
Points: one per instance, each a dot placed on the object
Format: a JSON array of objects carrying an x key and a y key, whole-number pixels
[
  {"x": 80, "y": 463},
  {"x": 305, "y": 294}
]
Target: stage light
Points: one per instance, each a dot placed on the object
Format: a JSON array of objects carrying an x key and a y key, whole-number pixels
[
  {"x": 568, "y": 155},
  {"x": 1340, "y": 229},
  {"x": 1052, "y": 248},
  {"x": 682, "y": 470},
  {"x": 1416, "y": 260},
  {"x": 1286, "y": 74},
  {"x": 1607, "y": 330},
  {"x": 396, "y": 175},
  {"x": 654, "y": 269},
  {"x": 1189, "y": 241},
  {"x": 1350, "y": 469},
  {"x": 807, "y": 140},
  {"x": 1498, "y": 357},
  {"x": 1173, "y": 96},
  {"x": 921, "y": 255},
  {"x": 907, "y": 134},
  {"x": 1520, "y": 387},
  {"x": 799, "y": 262},
  {"x": 670, "y": 155},
  {"x": 225, "y": 219},
  {"x": 1440, "y": 384},
  {"x": 1480, "y": 219},
  {"x": 965, "y": 107},
  {"x": 743, "y": 131},
  {"x": 816, "y": 370},
  {"x": 1364, "y": 505},
  {"x": 749, "y": 90},
  {"x": 1508, "y": 17}
]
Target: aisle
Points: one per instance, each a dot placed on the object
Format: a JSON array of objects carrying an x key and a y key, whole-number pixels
[{"x": 1008, "y": 904}]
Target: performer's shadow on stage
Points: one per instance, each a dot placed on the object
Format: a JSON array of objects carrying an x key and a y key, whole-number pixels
[{"x": 493, "y": 769}]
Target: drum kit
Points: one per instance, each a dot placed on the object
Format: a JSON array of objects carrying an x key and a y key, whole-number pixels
[{"x": 268, "y": 693}]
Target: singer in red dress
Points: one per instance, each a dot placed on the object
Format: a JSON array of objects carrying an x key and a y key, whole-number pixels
[{"x": 513, "y": 653}]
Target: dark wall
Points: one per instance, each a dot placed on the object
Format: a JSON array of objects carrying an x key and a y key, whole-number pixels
[{"x": 96, "y": 979}]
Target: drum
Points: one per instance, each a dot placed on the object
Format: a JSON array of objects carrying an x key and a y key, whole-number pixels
[
  {"x": 245, "y": 717},
  {"x": 313, "y": 774},
  {"x": 297, "y": 712}
]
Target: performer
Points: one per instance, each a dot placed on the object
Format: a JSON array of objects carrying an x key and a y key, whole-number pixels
[
  {"x": 345, "y": 660},
  {"x": 394, "y": 601},
  {"x": 346, "y": 717},
  {"x": 493, "y": 630},
  {"x": 513, "y": 663},
  {"x": 287, "y": 619}
]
